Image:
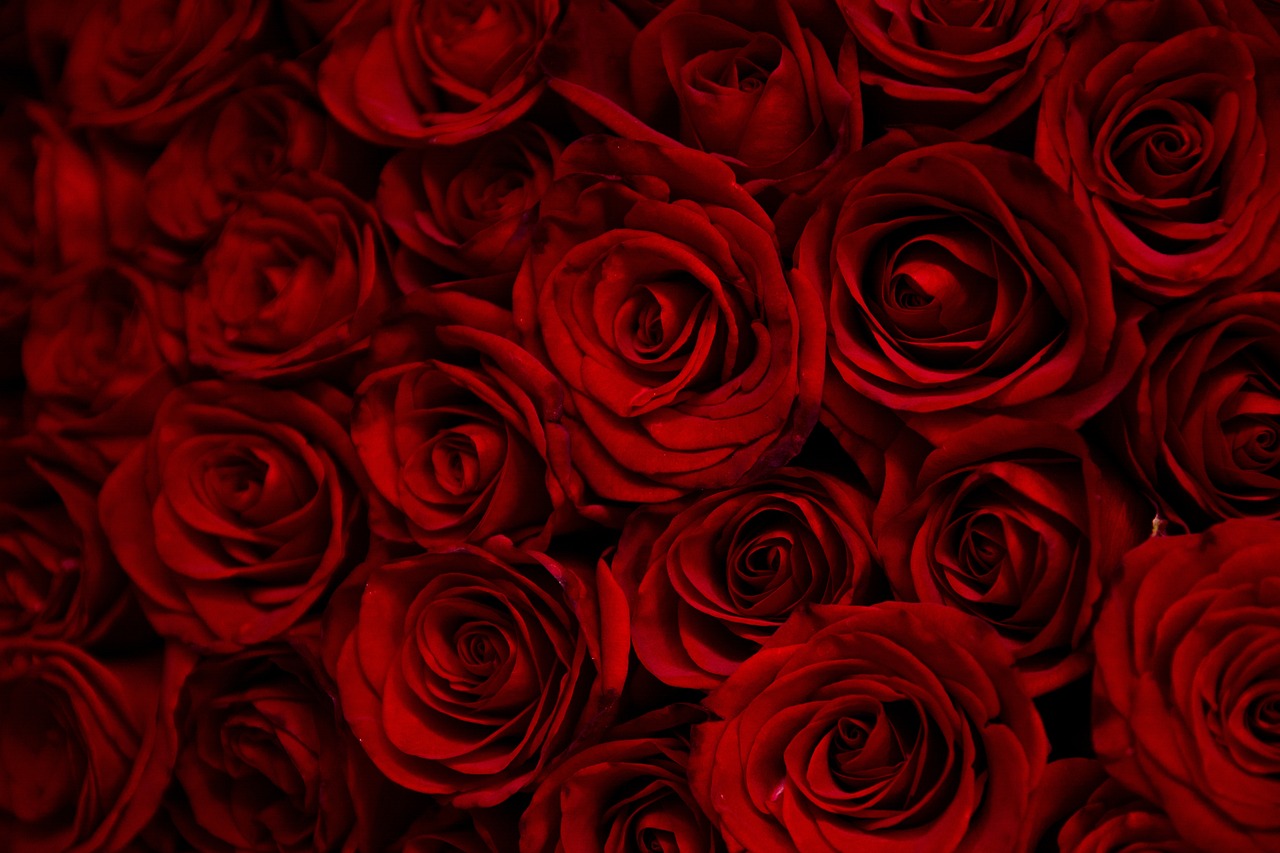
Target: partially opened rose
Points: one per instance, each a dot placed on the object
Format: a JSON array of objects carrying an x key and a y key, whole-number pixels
[
  {"x": 466, "y": 674},
  {"x": 86, "y": 746},
  {"x": 898, "y": 727},
  {"x": 654, "y": 291},
  {"x": 1187, "y": 684},
  {"x": 240, "y": 512},
  {"x": 710, "y": 580}
]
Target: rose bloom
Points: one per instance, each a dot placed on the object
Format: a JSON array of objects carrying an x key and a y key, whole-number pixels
[
  {"x": 470, "y": 209},
  {"x": 1115, "y": 820},
  {"x": 296, "y": 280},
  {"x": 86, "y": 746},
  {"x": 265, "y": 761},
  {"x": 166, "y": 58},
  {"x": 1187, "y": 684},
  {"x": 768, "y": 87},
  {"x": 972, "y": 67},
  {"x": 240, "y": 512},
  {"x": 466, "y": 674},
  {"x": 243, "y": 144},
  {"x": 458, "y": 444},
  {"x": 424, "y": 72},
  {"x": 1199, "y": 427},
  {"x": 450, "y": 830},
  {"x": 1017, "y": 523},
  {"x": 893, "y": 727},
  {"x": 102, "y": 350},
  {"x": 959, "y": 280},
  {"x": 655, "y": 293},
  {"x": 709, "y": 580},
  {"x": 1167, "y": 139}
]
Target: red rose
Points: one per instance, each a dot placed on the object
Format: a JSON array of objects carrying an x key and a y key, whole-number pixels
[
  {"x": 242, "y": 145},
  {"x": 1114, "y": 820},
  {"x": 766, "y": 86},
  {"x": 470, "y": 209},
  {"x": 1187, "y": 683},
  {"x": 974, "y": 67},
  {"x": 426, "y": 72},
  {"x": 240, "y": 512},
  {"x": 59, "y": 580},
  {"x": 86, "y": 746},
  {"x": 960, "y": 280},
  {"x": 1167, "y": 141},
  {"x": 465, "y": 674},
  {"x": 295, "y": 282},
  {"x": 99, "y": 355},
  {"x": 458, "y": 444},
  {"x": 449, "y": 830},
  {"x": 1200, "y": 425},
  {"x": 629, "y": 793},
  {"x": 1017, "y": 523},
  {"x": 167, "y": 58},
  {"x": 709, "y": 580},
  {"x": 893, "y": 727},
  {"x": 18, "y": 214},
  {"x": 265, "y": 762},
  {"x": 654, "y": 292}
]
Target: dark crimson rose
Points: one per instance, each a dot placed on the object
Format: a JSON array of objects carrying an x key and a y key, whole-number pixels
[
  {"x": 960, "y": 280},
  {"x": 244, "y": 144},
  {"x": 1167, "y": 141},
  {"x": 141, "y": 66},
  {"x": 58, "y": 578},
  {"x": 1017, "y": 523},
  {"x": 1200, "y": 425},
  {"x": 100, "y": 354},
  {"x": 465, "y": 674},
  {"x": 893, "y": 727},
  {"x": 630, "y": 793},
  {"x": 17, "y": 232},
  {"x": 1115, "y": 821},
  {"x": 709, "y": 580},
  {"x": 86, "y": 746},
  {"x": 458, "y": 445},
  {"x": 239, "y": 513},
  {"x": 470, "y": 209},
  {"x": 294, "y": 282},
  {"x": 973, "y": 67},
  {"x": 1187, "y": 685},
  {"x": 654, "y": 292},
  {"x": 265, "y": 761},
  {"x": 449, "y": 830},
  {"x": 436, "y": 71},
  {"x": 764, "y": 85}
]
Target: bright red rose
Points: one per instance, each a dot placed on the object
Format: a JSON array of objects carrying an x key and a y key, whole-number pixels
[
  {"x": 86, "y": 746},
  {"x": 709, "y": 580},
  {"x": 241, "y": 145},
  {"x": 141, "y": 66},
  {"x": 766, "y": 86},
  {"x": 959, "y": 280},
  {"x": 239, "y": 514},
  {"x": 100, "y": 353},
  {"x": 425, "y": 71},
  {"x": 458, "y": 445},
  {"x": 1168, "y": 139},
  {"x": 1199, "y": 427},
  {"x": 973, "y": 67},
  {"x": 466, "y": 675},
  {"x": 1017, "y": 523},
  {"x": 1114, "y": 820},
  {"x": 470, "y": 209},
  {"x": 898, "y": 727},
  {"x": 296, "y": 281},
  {"x": 266, "y": 763},
  {"x": 655, "y": 293},
  {"x": 1187, "y": 684},
  {"x": 628, "y": 793}
]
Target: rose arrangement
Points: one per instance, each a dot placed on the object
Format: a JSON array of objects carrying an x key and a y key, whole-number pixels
[{"x": 519, "y": 426}]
